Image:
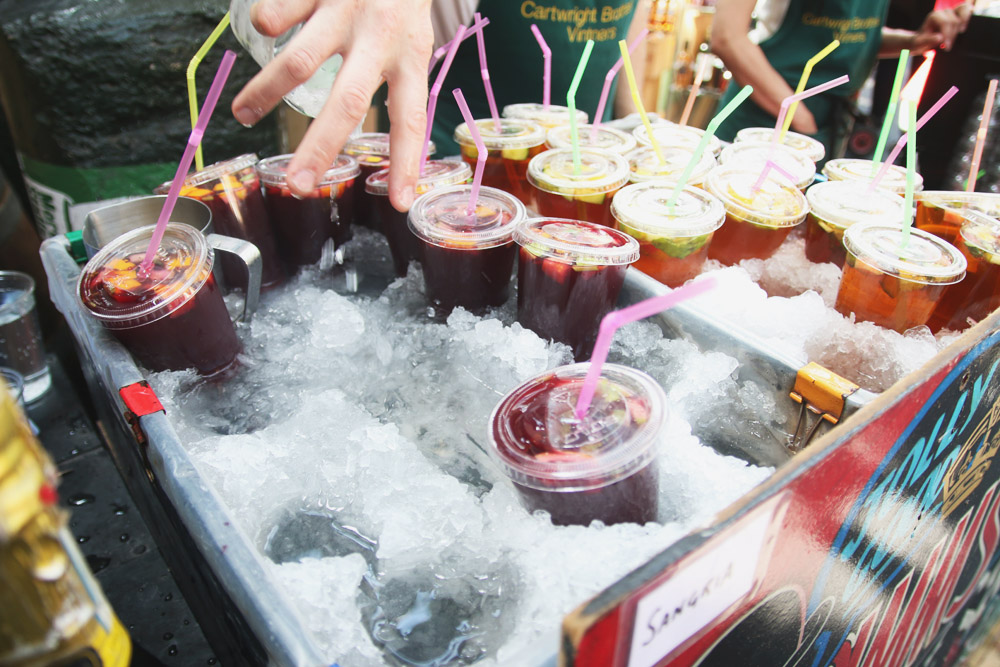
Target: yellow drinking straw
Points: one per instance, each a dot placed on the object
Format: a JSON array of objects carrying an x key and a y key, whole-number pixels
[
  {"x": 199, "y": 163},
  {"x": 638, "y": 102},
  {"x": 803, "y": 80}
]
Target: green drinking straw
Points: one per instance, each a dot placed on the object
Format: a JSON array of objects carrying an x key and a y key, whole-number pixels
[
  {"x": 705, "y": 138},
  {"x": 890, "y": 112},
  {"x": 199, "y": 163},
  {"x": 571, "y": 103},
  {"x": 911, "y": 168}
]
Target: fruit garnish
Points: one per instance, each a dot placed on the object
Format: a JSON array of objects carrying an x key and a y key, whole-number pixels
[
  {"x": 596, "y": 198},
  {"x": 681, "y": 247},
  {"x": 558, "y": 271},
  {"x": 514, "y": 153},
  {"x": 568, "y": 457}
]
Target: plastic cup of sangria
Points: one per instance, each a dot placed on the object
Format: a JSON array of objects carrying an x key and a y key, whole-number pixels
[
  {"x": 569, "y": 275},
  {"x": 757, "y": 221},
  {"x": 669, "y": 134},
  {"x": 893, "y": 286},
  {"x": 231, "y": 189},
  {"x": 978, "y": 294},
  {"x": 171, "y": 317},
  {"x": 548, "y": 117},
  {"x": 812, "y": 149},
  {"x": 836, "y": 205},
  {"x": 403, "y": 245},
  {"x": 601, "y": 467},
  {"x": 507, "y": 152},
  {"x": 467, "y": 257},
  {"x": 607, "y": 138},
  {"x": 854, "y": 169},
  {"x": 942, "y": 212},
  {"x": 303, "y": 226},
  {"x": 673, "y": 241},
  {"x": 561, "y": 192},
  {"x": 755, "y": 155},
  {"x": 645, "y": 165}
]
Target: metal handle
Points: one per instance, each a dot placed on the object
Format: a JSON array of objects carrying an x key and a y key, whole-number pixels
[{"x": 250, "y": 256}]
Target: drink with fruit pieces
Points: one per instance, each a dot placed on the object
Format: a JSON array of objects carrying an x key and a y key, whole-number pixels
[
  {"x": 757, "y": 222},
  {"x": 171, "y": 317},
  {"x": 942, "y": 212},
  {"x": 562, "y": 193},
  {"x": 607, "y": 138},
  {"x": 836, "y": 205},
  {"x": 853, "y": 169},
  {"x": 466, "y": 258},
  {"x": 894, "y": 287},
  {"x": 304, "y": 225},
  {"x": 645, "y": 165},
  {"x": 548, "y": 117},
  {"x": 673, "y": 241},
  {"x": 403, "y": 245},
  {"x": 978, "y": 294},
  {"x": 601, "y": 467},
  {"x": 755, "y": 155},
  {"x": 507, "y": 152},
  {"x": 569, "y": 274},
  {"x": 669, "y": 135},
  {"x": 231, "y": 189},
  {"x": 811, "y": 149}
]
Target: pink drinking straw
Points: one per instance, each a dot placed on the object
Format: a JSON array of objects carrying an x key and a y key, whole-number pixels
[
  {"x": 768, "y": 166},
  {"x": 798, "y": 97},
  {"x": 902, "y": 140},
  {"x": 616, "y": 319},
  {"x": 194, "y": 140},
  {"x": 481, "y": 43},
  {"x": 477, "y": 177},
  {"x": 977, "y": 153},
  {"x": 608, "y": 78},
  {"x": 432, "y": 97},
  {"x": 547, "y": 72},
  {"x": 693, "y": 95},
  {"x": 475, "y": 28}
]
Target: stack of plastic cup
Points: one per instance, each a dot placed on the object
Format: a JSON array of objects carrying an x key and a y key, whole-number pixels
[
  {"x": 561, "y": 192},
  {"x": 836, "y": 205}
]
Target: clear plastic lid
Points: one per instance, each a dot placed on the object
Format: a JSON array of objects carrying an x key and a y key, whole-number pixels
[
  {"x": 755, "y": 154},
  {"x": 607, "y": 138},
  {"x": 981, "y": 235},
  {"x": 644, "y": 207},
  {"x": 217, "y": 171},
  {"x": 540, "y": 443},
  {"x": 112, "y": 290},
  {"x": 514, "y": 133},
  {"x": 600, "y": 171},
  {"x": 646, "y": 166},
  {"x": 926, "y": 259},
  {"x": 814, "y": 150},
  {"x": 668, "y": 134},
  {"x": 274, "y": 170},
  {"x": 852, "y": 169},
  {"x": 576, "y": 242},
  {"x": 776, "y": 204},
  {"x": 984, "y": 202},
  {"x": 840, "y": 204},
  {"x": 436, "y": 174},
  {"x": 441, "y": 217},
  {"x": 552, "y": 116}
]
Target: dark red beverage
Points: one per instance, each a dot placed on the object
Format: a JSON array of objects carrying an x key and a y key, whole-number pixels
[
  {"x": 569, "y": 275},
  {"x": 598, "y": 467}
]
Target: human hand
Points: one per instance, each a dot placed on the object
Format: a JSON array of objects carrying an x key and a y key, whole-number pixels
[
  {"x": 380, "y": 40},
  {"x": 940, "y": 28},
  {"x": 804, "y": 122}
]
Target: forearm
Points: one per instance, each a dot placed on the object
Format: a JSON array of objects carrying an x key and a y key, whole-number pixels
[
  {"x": 893, "y": 41},
  {"x": 749, "y": 66}
]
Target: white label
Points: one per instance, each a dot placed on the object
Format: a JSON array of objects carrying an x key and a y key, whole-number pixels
[
  {"x": 697, "y": 594},
  {"x": 50, "y": 206}
]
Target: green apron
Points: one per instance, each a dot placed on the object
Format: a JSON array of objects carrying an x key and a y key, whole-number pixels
[
  {"x": 809, "y": 26},
  {"x": 515, "y": 59}
]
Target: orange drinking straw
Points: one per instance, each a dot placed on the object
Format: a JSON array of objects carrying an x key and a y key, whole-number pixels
[
  {"x": 698, "y": 78},
  {"x": 192, "y": 68},
  {"x": 984, "y": 123}
]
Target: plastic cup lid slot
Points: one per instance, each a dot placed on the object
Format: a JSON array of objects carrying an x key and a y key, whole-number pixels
[
  {"x": 576, "y": 242},
  {"x": 515, "y": 133},
  {"x": 441, "y": 217},
  {"x": 644, "y": 207},
  {"x": 600, "y": 171},
  {"x": 844, "y": 203},
  {"x": 926, "y": 259},
  {"x": 436, "y": 174},
  {"x": 776, "y": 204}
]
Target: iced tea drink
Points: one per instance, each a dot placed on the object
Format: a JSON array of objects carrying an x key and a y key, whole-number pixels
[
  {"x": 467, "y": 258},
  {"x": 754, "y": 155},
  {"x": 231, "y": 189},
  {"x": 852, "y": 169},
  {"x": 304, "y": 225},
  {"x": 671, "y": 135},
  {"x": 813, "y": 150},
  {"x": 645, "y": 165},
  {"x": 403, "y": 245},
  {"x": 507, "y": 152},
  {"x": 978, "y": 294},
  {"x": 673, "y": 241},
  {"x": 172, "y": 317},
  {"x": 601, "y": 467},
  {"x": 606, "y": 137},
  {"x": 560, "y": 192},
  {"x": 895, "y": 287},
  {"x": 569, "y": 275},
  {"x": 757, "y": 222},
  {"x": 548, "y": 117},
  {"x": 836, "y": 205},
  {"x": 942, "y": 213}
]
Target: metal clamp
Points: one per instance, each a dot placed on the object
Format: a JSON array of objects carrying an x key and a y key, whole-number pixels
[
  {"x": 822, "y": 395},
  {"x": 140, "y": 400}
]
